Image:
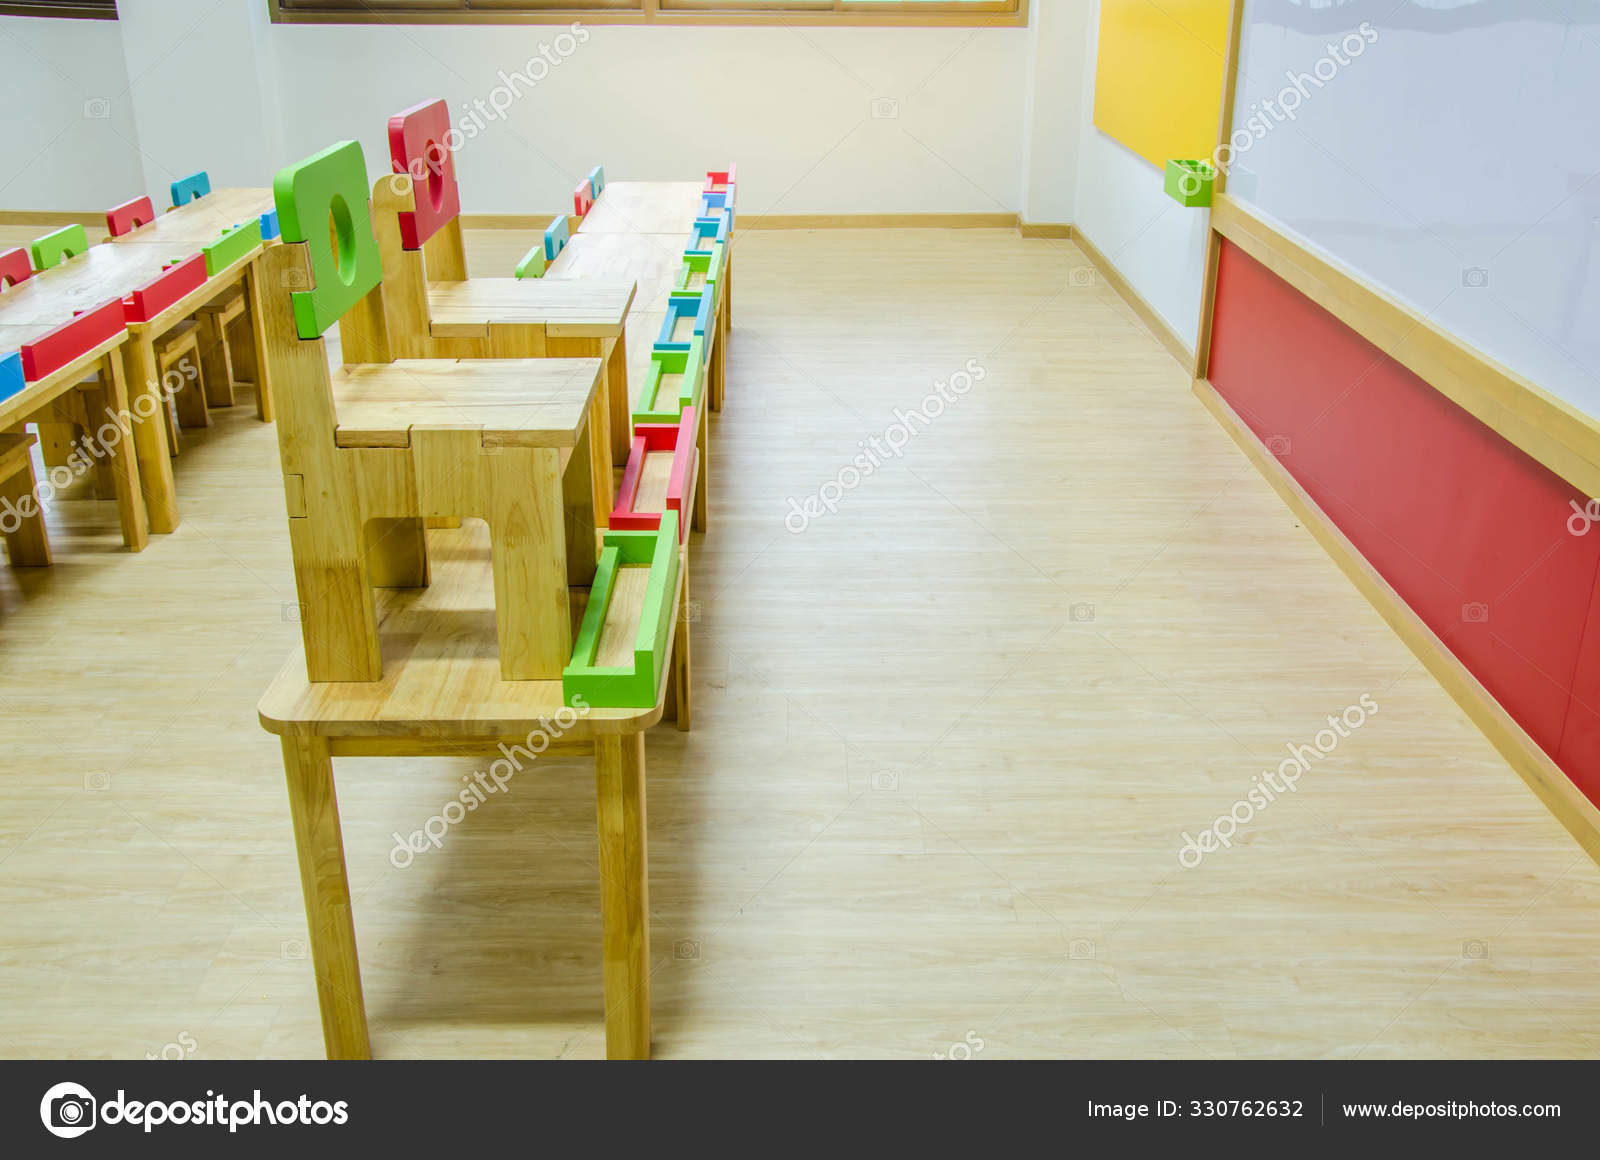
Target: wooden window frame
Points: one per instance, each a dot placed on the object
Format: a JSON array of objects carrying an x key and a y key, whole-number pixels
[
  {"x": 914, "y": 13},
  {"x": 65, "y": 10}
]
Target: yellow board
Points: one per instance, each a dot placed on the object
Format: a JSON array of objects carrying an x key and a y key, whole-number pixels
[{"x": 1158, "y": 76}]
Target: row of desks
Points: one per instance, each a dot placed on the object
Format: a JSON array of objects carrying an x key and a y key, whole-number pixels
[{"x": 145, "y": 498}]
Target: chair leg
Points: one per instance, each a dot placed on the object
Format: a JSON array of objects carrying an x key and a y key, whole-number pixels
[
  {"x": 56, "y": 437},
  {"x": 526, "y": 524},
  {"x": 190, "y": 399},
  {"x": 93, "y": 401},
  {"x": 338, "y": 615},
  {"x": 216, "y": 367},
  {"x": 397, "y": 553},
  {"x": 26, "y": 542}
]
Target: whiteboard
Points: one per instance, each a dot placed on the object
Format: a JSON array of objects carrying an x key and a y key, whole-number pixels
[{"x": 1455, "y": 162}]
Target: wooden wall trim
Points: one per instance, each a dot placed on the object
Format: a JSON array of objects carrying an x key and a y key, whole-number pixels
[
  {"x": 1553, "y": 432},
  {"x": 47, "y": 217},
  {"x": 1552, "y": 786},
  {"x": 1208, "y": 287},
  {"x": 1148, "y": 314}
]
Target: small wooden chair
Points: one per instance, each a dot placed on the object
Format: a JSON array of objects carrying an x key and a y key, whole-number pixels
[
  {"x": 372, "y": 451},
  {"x": 228, "y": 349},
  {"x": 64, "y": 425},
  {"x": 27, "y": 546},
  {"x": 177, "y": 351}
]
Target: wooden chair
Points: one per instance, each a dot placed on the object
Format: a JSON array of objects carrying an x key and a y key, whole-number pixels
[
  {"x": 63, "y": 427},
  {"x": 179, "y": 367},
  {"x": 435, "y": 311},
  {"x": 27, "y": 546},
  {"x": 60, "y": 246},
  {"x": 216, "y": 356},
  {"x": 371, "y": 451}
]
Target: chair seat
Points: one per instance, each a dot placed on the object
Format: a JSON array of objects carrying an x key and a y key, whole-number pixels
[
  {"x": 185, "y": 334},
  {"x": 14, "y": 451},
  {"x": 592, "y": 308},
  {"x": 229, "y": 304},
  {"x": 512, "y": 402}
]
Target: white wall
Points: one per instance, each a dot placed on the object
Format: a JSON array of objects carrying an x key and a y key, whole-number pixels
[
  {"x": 218, "y": 87},
  {"x": 198, "y": 89},
  {"x": 69, "y": 125},
  {"x": 1062, "y": 47},
  {"x": 1156, "y": 244},
  {"x": 794, "y": 107}
]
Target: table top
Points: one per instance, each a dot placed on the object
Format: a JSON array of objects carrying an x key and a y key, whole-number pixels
[
  {"x": 567, "y": 308},
  {"x": 652, "y": 261},
  {"x": 189, "y": 227},
  {"x": 441, "y": 670},
  {"x": 116, "y": 269},
  {"x": 518, "y": 402},
  {"x": 644, "y": 207}
]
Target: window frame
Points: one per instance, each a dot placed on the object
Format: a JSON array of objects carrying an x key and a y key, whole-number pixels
[
  {"x": 62, "y": 10},
  {"x": 913, "y": 13}
]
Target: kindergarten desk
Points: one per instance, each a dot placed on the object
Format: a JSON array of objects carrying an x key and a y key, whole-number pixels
[
  {"x": 441, "y": 694},
  {"x": 106, "y": 358},
  {"x": 116, "y": 270}
]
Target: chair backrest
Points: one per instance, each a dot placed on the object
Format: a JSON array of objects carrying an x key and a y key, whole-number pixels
[
  {"x": 556, "y": 235},
  {"x": 129, "y": 216},
  {"x": 322, "y": 203},
  {"x": 186, "y": 189},
  {"x": 58, "y": 246},
  {"x": 419, "y": 146},
  {"x": 14, "y": 267}
]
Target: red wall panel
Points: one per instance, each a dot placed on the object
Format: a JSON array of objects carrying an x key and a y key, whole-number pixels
[
  {"x": 1580, "y": 744},
  {"x": 1467, "y": 528}
]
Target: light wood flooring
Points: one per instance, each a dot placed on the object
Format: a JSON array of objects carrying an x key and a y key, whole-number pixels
[{"x": 945, "y": 744}]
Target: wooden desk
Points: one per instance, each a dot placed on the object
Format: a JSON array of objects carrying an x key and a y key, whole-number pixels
[
  {"x": 639, "y": 230},
  {"x": 201, "y": 221},
  {"x": 115, "y": 270},
  {"x": 651, "y": 261},
  {"x": 107, "y": 359},
  {"x": 441, "y": 695},
  {"x": 645, "y": 207}
]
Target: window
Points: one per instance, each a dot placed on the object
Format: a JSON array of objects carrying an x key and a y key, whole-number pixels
[
  {"x": 998, "y": 13},
  {"x": 77, "y": 9}
]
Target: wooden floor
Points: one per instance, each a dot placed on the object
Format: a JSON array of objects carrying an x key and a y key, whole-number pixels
[{"x": 945, "y": 745}]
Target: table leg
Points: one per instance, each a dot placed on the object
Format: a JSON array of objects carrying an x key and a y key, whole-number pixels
[
  {"x": 123, "y": 462},
  {"x": 702, "y": 483},
  {"x": 149, "y": 435},
  {"x": 617, "y": 387},
  {"x": 315, "y": 811},
  {"x": 624, "y": 894},
  {"x": 258, "y": 330},
  {"x": 682, "y": 715}
]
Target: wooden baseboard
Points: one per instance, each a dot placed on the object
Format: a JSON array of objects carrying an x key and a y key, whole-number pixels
[
  {"x": 506, "y": 221},
  {"x": 1563, "y": 799},
  {"x": 45, "y": 217},
  {"x": 1062, "y": 230},
  {"x": 878, "y": 221},
  {"x": 1148, "y": 314}
]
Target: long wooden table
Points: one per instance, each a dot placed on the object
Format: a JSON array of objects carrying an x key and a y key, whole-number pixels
[
  {"x": 115, "y": 270},
  {"x": 638, "y": 230}
]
